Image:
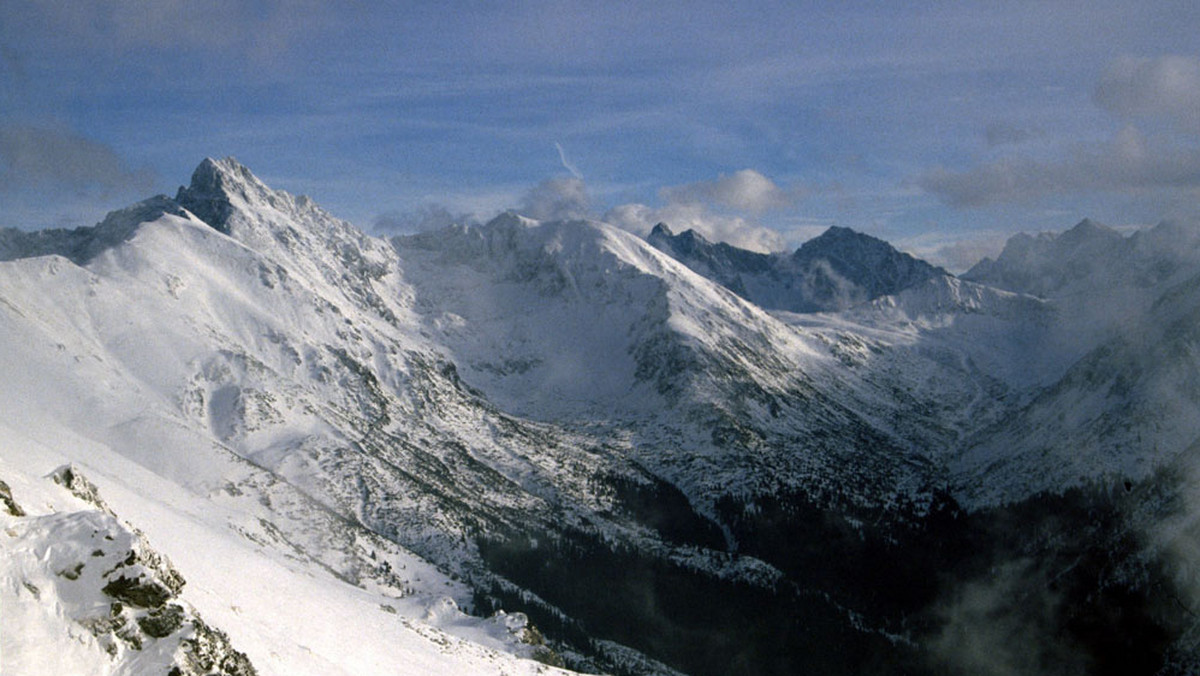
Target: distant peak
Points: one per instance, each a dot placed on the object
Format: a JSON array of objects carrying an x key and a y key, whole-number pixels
[
  {"x": 511, "y": 219},
  {"x": 1089, "y": 226},
  {"x": 838, "y": 236},
  {"x": 661, "y": 230},
  {"x": 838, "y": 232},
  {"x": 1086, "y": 231}
]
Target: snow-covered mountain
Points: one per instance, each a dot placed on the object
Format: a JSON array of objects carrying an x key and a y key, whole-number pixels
[
  {"x": 611, "y": 458},
  {"x": 834, "y": 271},
  {"x": 1048, "y": 262}
]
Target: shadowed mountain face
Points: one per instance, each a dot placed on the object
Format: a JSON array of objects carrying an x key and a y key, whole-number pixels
[
  {"x": 556, "y": 418},
  {"x": 1090, "y": 257},
  {"x": 834, "y": 271}
]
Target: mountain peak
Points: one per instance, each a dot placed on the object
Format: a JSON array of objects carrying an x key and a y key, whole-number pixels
[
  {"x": 840, "y": 235},
  {"x": 218, "y": 186},
  {"x": 847, "y": 266},
  {"x": 837, "y": 269},
  {"x": 1086, "y": 231},
  {"x": 691, "y": 235},
  {"x": 838, "y": 242},
  {"x": 225, "y": 175},
  {"x": 839, "y": 231}
]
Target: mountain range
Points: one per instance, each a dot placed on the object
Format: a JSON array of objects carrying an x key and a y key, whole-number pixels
[
  {"x": 833, "y": 271},
  {"x": 239, "y": 435}
]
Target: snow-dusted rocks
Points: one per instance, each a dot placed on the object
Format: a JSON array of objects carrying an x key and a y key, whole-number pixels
[
  {"x": 834, "y": 271},
  {"x": 83, "y": 593}
]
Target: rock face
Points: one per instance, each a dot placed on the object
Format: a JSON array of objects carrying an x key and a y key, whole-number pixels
[
  {"x": 837, "y": 270},
  {"x": 116, "y": 597},
  {"x": 610, "y": 436}
]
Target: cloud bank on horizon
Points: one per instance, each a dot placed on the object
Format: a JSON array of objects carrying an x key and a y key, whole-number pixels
[{"x": 942, "y": 128}]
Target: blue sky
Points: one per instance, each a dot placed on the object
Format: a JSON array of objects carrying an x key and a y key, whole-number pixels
[{"x": 942, "y": 127}]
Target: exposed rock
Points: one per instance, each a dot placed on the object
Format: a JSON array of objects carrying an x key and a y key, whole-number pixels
[
  {"x": 10, "y": 504},
  {"x": 162, "y": 621},
  {"x": 138, "y": 591},
  {"x": 69, "y": 477}
]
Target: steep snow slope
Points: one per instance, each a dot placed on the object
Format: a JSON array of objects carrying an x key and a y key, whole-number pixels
[
  {"x": 289, "y": 615},
  {"x": 1013, "y": 338},
  {"x": 1098, "y": 280},
  {"x": 177, "y": 355},
  {"x": 581, "y": 324},
  {"x": 1121, "y": 401},
  {"x": 1046, "y": 263},
  {"x": 82, "y": 593}
]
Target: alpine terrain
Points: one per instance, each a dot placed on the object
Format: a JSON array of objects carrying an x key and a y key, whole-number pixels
[{"x": 240, "y": 436}]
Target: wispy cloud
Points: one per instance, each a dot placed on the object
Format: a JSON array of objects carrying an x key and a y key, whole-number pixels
[
  {"x": 1167, "y": 86},
  {"x": 955, "y": 251},
  {"x": 1130, "y": 162},
  {"x": 1140, "y": 92},
  {"x": 37, "y": 157},
  {"x": 427, "y": 217},
  {"x": 562, "y": 157}
]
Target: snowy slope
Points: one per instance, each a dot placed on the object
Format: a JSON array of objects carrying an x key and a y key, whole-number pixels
[
  {"x": 165, "y": 370},
  {"x": 330, "y": 397},
  {"x": 581, "y": 324},
  {"x": 1121, "y": 400},
  {"x": 288, "y": 617},
  {"x": 1127, "y": 408},
  {"x": 278, "y": 364}
]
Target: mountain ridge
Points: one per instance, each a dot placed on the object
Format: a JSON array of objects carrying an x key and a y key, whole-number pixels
[
  {"x": 553, "y": 417},
  {"x": 833, "y": 271}
]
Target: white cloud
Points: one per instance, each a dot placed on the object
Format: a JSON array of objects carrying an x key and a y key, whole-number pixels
[
  {"x": 562, "y": 156},
  {"x": 1130, "y": 162},
  {"x": 640, "y": 219},
  {"x": 1166, "y": 86},
  {"x": 745, "y": 190},
  {"x": 554, "y": 199},
  {"x": 707, "y": 207}
]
